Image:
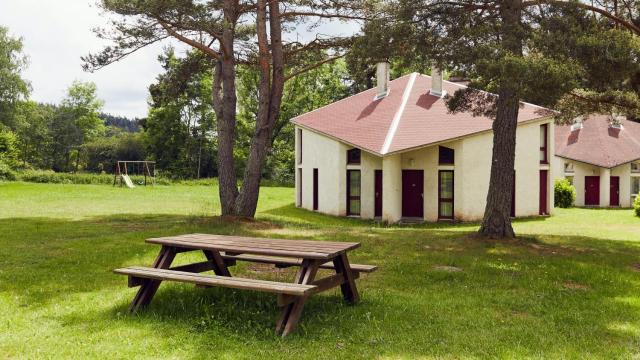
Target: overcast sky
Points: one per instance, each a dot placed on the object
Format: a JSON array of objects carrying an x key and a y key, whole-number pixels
[{"x": 56, "y": 33}]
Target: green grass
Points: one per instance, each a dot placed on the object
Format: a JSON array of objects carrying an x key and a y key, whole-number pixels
[{"x": 566, "y": 289}]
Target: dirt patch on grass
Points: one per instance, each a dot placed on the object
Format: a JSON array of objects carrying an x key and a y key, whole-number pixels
[
  {"x": 447, "y": 268},
  {"x": 635, "y": 267},
  {"x": 570, "y": 285},
  {"x": 264, "y": 269}
]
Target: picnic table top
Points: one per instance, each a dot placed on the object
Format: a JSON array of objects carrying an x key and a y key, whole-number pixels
[{"x": 307, "y": 249}]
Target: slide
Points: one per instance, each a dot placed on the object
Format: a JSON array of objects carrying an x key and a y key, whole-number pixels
[{"x": 127, "y": 180}]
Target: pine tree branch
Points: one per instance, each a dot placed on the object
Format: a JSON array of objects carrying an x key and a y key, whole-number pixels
[
  {"x": 314, "y": 66},
  {"x": 630, "y": 26},
  {"x": 200, "y": 46}
]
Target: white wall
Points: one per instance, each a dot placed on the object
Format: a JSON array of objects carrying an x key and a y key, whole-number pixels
[
  {"x": 581, "y": 170},
  {"x": 471, "y": 175},
  {"x": 329, "y": 157}
]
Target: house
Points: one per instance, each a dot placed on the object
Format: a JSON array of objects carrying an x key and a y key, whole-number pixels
[
  {"x": 396, "y": 153},
  {"x": 601, "y": 157}
]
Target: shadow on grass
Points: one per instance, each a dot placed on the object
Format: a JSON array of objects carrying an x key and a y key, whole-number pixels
[{"x": 528, "y": 292}]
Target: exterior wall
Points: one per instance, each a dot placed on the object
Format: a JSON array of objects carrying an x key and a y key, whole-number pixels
[
  {"x": 471, "y": 175},
  {"x": 368, "y": 164},
  {"x": 331, "y": 167},
  {"x": 392, "y": 188},
  {"x": 581, "y": 170}
]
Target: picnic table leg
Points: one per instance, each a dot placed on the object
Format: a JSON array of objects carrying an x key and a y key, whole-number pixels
[
  {"x": 349, "y": 289},
  {"x": 149, "y": 287},
  {"x": 291, "y": 313},
  {"x": 219, "y": 267}
]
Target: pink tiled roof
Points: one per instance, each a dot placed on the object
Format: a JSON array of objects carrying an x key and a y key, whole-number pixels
[
  {"x": 384, "y": 126},
  {"x": 599, "y": 144}
]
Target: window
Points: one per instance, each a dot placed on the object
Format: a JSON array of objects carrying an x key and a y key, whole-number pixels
[
  {"x": 353, "y": 192},
  {"x": 570, "y": 179},
  {"x": 635, "y": 167},
  {"x": 446, "y": 156},
  {"x": 299, "y": 146},
  {"x": 353, "y": 157},
  {"x": 544, "y": 130},
  {"x": 635, "y": 185},
  {"x": 445, "y": 194},
  {"x": 299, "y": 187},
  {"x": 568, "y": 167}
]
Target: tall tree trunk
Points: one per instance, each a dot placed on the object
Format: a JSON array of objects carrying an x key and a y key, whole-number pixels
[
  {"x": 225, "y": 99},
  {"x": 497, "y": 222},
  {"x": 270, "y": 98}
]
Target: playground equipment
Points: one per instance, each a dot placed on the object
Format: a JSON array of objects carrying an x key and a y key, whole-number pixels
[{"x": 143, "y": 168}]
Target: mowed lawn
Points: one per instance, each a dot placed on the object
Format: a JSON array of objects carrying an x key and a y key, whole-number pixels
[{"x": 569, "y": 287}]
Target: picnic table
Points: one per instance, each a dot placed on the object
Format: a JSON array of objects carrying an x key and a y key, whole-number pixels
[{"x": 222, "y": 252}]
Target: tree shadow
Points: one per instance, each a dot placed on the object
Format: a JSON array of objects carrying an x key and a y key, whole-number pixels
[{"x": 553, "y": 297}]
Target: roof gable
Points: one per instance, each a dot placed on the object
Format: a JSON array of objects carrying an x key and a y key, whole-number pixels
[
  {"x": 599, "y": 144},
  {"x": 407, "y": 118}
]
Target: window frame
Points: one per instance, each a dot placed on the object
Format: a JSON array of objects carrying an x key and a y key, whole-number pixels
[
  {"x": 353, "y": 197},
  {"x": 354, "y": 151},
  {"x": 444, "y": 200},
  {"x": 443, "y": 150},
  {"x": 544, "y": 148}
]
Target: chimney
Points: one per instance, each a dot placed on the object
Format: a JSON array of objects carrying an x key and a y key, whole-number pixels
[
  {"x": 436, "y": 81},
  {"x": 382, "y": 75}
]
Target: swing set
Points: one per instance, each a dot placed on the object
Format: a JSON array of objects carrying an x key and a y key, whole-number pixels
[{"x": 140, "y": 168}]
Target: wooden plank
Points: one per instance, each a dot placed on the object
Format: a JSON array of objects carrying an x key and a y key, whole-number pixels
[
  {"x": 260, "y": 243},
  {"x": 195, "y": 267},
  {"x": 349, "y": 289},
  {"x": 323, "y": 284},
  {"x": 296, "y": 308},
  {"x": 213, "y": 237},
  {"x": 149, "y": 288},
  {"x": 220, "y": 241},
  {"x": 215, "y": 280},
  {"x": 259, "y": 251},
  {"x": 219, "y": 267},
  {"x": 288, "y": 262}
]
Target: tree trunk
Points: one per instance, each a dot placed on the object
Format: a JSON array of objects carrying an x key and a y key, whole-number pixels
[
  {"x": 225, "y": 99},
  {"x": 270, "y": 98},
  {"x": 497, "y": 222}
]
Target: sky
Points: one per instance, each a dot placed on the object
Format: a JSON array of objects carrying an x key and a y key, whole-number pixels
[{"x": 56, "y": 33}]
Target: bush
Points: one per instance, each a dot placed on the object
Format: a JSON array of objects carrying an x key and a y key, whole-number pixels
[
  {"x": 51, "y": 177},
  {"x": 564, "y": 193},
  {"x": 6, "y": 173},
  {"x": 636, "y": 205}
]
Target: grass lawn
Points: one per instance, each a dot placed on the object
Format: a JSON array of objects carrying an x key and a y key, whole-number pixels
[{"x": 568, "y": 288}]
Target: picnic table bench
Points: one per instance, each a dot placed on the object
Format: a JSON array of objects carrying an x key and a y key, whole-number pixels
[{"x": 222, "y": 252}]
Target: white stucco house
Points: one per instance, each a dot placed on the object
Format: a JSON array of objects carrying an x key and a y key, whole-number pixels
[
  {"x": 396, "y": 153},
  {"x": 600, "y": 156}
]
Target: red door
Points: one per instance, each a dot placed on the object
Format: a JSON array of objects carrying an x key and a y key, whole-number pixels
[
  {"x": 592, "y": 190},
  {"x": 412, "y": 193},
  {"x": 614, "y": 191},
  {"x": 543, "y": 192},
  {"x": 378, "y": 193}
]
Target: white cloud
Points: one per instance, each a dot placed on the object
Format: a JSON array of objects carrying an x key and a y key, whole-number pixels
[{"x": 56, "y": 33}]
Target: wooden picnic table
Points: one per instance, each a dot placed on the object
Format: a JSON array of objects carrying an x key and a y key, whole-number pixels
[{"x": 222, "y": 252}]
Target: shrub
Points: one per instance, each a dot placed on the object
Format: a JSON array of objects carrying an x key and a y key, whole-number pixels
[
  {"x": 564, "y": 193},
  {"x": 51, "y": 177},
  {"x": 6, "y": 173},
  {"x": 636, "y": 205}
]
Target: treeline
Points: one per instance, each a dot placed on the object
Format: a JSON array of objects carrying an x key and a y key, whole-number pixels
[{"x": 179, "y": 132}]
